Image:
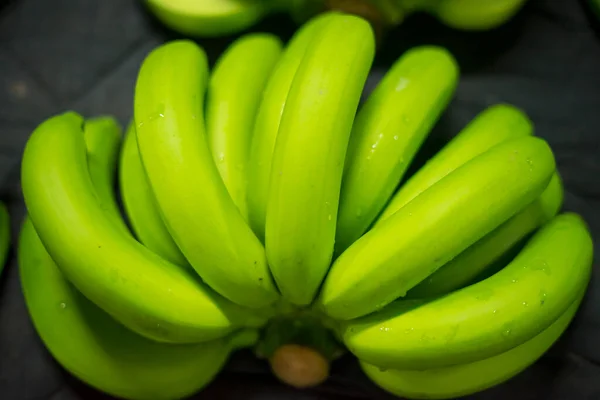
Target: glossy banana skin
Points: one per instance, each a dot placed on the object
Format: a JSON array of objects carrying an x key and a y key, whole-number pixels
[
  {"x": 466, "y": 379},
  {"x": 268, "y": 120},
  {"x": 438, "y": 225},
  {"x": 230, "y": 115},
  {"x": 316, "y": 125},
  {"x": 487, "y": 318},
  {"x": 199, "y": 213},
  {"x": 388, "y": 131},
  {"x": 144, "y": 292},
  {"x": 140, "y": 206},
  {"x": 482, "y": 255},
  {"x": 492, "y": 126},
  {"x": 474, "y": 15},
  {"x": 87, "y": 341},
  {"x": 209, "y": 18}
]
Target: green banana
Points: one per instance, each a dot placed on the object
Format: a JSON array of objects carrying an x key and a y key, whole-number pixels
[
  {"x": 144, "y": 292},
  {"x": 474, "y": 14},
  {"x": 268, "y": 119},
  {"x": 309, "y": 155},
  {"x": 4, "y": 235},
  {"x": 473, "y": 261},
  {"x": 210, "y": 18},
  {"x": 87, "y": 341},
  {"x": 437, "y": 226},
  {"x": 492, "y": 126},
  {"x": 230, "y": 112},
  {"x": 387, "y": 133},
  {"x": 140, "y": 205},
  {"x": 487, "y": 318},
  {"x": 466, "y": 379},
  {"x": 196, "y": 207}
]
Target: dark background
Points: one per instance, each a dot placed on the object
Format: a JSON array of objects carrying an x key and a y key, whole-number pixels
[{"x": 85, "y": 54}]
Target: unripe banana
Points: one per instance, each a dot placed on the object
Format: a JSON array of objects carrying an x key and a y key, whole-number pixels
[
  {"x": 492, "y": 126},
  {"x": 268, "y": 119},
  {"x": 210, "y": 18},
  {"x": 234, "y": 92},
  {"x": 472, "y": 262},
  {"x": 474, "y": 15},
  {"x": 389, "y": 129},
  {"x": 487, "y": 318},
  {"x": 96, "y": 349},
  {"x": 309, "y": 155},
  {"x": 140, "y": 206},
  {"x": 144, "y": 292},
  {"x": 466, "y": 379},
  {"x": 436, "y": 226},
  {"x": 196, "y": 207}
]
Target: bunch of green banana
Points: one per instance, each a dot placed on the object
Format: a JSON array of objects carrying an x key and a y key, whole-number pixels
[
  {"x": 213, "y": 18},
  {"x": 264, "y": 206}
]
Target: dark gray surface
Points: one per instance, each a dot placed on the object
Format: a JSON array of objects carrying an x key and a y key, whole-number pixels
[{"x": 84, "y": 55}]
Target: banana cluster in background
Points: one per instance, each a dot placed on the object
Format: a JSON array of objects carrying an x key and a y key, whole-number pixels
[
  {"x": 213, "y": 18},
  {"x": 264, "y": 208}
]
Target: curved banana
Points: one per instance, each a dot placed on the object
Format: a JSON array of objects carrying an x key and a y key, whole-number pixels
[
  {"x": 140, "y": 206},
  {"x": 235, "y": 89},
  {"x": 96, "y": 349},
  {"x": 472, "y": 262},
  {"x": 466, "y": 379},
  {"x": 487, "y": 318},
  {"x": 210, "y": 18},
  {"x": 474, "y": 14},
  {"x": 4, "y": 235},
  {"x": 309, "y": 155},
  {"x": 438, "y": 225},
  {"x": 144, "y": 292},
  {"x": 268, "y": 119},
  {"x": 492, "y": 126},
  {"x": 196, "y": 207},
  {"x": 388, "y": 131}
]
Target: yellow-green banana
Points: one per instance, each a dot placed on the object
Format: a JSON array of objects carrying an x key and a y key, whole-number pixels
[
  {"x": 103, "y": 353},
  {"x": 140, "y": 206},
  {"x": 472, "y": 262},
  {"x": 473, "y": 14},
  {"x": 209, "y": 17},
  {"x": 466, "y": 379},
  {"x": 234, "y": 92},
  {"x": 387, "y": 133},
  {"x": 144, "y": 292},
  {"x": 487, "y": 318},
  {"x": 309, "y": 154},
  {"x": 492, "y": 126},
  {"x": 439, "y": 224},
  {"x": 199, "y": 213},
  {"x": 268, "y": 119}
]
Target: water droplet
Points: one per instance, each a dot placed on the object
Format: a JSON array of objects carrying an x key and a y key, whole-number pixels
[
  {"x": 395, "y": 137},
  {"x": 329, "y": 217},
  {"x": 402, "y": 84},
  {"x": 506, "y": 332},
  {"x": 221, "y": 157},
  {"x": 381, "y": 369},
  {"x": 384, "y": 329},
  {"x": 409, "y": 331},
  {"x": 63, "y": 305},
  {"x": 495, "y": 312},
  {"x": 515, "y": 281},
  {"x": 525, "y": 304},
  {"x": 374, "y": 145}
]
